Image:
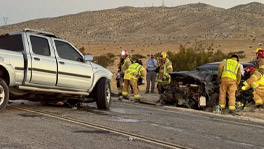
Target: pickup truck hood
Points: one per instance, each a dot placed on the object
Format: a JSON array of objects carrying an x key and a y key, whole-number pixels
[{"x": 97, "y": 67}]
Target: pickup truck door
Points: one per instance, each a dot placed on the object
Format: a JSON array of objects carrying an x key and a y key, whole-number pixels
[
  {"x": 44, "y": 64},
  {"x": 73, "y": 72}
]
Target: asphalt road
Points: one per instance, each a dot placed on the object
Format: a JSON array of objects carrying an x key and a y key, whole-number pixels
[{"x": 24, "y": 129}]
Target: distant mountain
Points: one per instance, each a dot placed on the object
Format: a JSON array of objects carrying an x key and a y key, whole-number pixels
[
  {"x": 254, "y": 8},
  {"x": 152, "y": 26}
]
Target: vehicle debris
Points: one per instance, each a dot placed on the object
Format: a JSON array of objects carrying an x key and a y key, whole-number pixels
[
  {"x": 131, "y": 139},
  {"x": 217, "y": 109},
  {"x": 198, "y": 89},
  {"x": 74, "y": 108}
]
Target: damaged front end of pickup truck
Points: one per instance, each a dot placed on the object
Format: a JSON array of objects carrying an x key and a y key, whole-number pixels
[{"x": 197, "y": 90}]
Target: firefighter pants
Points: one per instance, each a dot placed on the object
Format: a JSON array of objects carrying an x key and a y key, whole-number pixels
[
  {"x": 229, "y": 87},
  {"x": 120, "y": 86},
  {"x": 258, "y": 96},
  {"x": 133, "y": 83}
]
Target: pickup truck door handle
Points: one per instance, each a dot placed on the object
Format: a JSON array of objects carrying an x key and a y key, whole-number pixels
[
  {"x": 36, "y": 58},
  {"x": 62, "y": 63}
]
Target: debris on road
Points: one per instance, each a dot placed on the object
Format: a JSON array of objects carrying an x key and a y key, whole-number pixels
[
  {"x": 131, "y": 139},
  {"x": 217, "y": 110}
]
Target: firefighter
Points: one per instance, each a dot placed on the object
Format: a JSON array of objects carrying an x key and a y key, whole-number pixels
[
  {"x": 256, "y": 82},
  {"x": 122, "y": 67},
  {"x": 229, "y": 72},
  {"x": 260, "y": 60},
  {"x": 134, "y": 71},
  {"x": 163, "y": 76}
]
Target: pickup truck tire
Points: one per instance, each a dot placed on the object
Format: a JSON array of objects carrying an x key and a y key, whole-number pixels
[
  {"x": 103, "y": 94},
  {"x": 4, "y": 94}
]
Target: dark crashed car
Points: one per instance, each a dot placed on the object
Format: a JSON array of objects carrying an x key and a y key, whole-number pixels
[{"x": 199, "y": 89}]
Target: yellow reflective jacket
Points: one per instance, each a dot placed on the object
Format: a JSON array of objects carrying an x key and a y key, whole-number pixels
[
  {"x": 166, "y": 68},
  {"x": 230, "y": 70},
  {"x": 258, "y": 84},
  {"x": 125, "y": 65},
  {"x": 256, "y": 80},
  {"x": 134, "y": 71}
]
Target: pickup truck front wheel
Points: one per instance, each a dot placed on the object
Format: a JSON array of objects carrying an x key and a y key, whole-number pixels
[
  {"x": 4, "y": 94},
  {"x": 103, "y": 94}
]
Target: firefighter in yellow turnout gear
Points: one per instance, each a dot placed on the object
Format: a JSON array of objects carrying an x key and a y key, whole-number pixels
[
  {"x": 260, "y": 60},
  {"x": 122, "y": 66},
  {"x": 165, "y": 67},
  {"x": 132, "y": 74},
  {"x": 256, "y": 82},
  {"x": 230, "y": 73}
]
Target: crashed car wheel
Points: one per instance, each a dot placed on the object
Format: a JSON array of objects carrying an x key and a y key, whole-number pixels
[
  {"x": 103, "y": 94},
  {"x": 4, "y": 94}
]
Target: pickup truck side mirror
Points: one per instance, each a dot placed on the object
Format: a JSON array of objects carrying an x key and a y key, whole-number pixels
[{"x": 88, "y": 58}]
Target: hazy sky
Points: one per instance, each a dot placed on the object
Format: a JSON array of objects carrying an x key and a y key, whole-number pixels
[{"x": 23, "y": 10}]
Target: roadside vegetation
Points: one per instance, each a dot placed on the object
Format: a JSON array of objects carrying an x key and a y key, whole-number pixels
[
  {"x": 108, "y": 59},
  {"x": 105, "y": 60},
  {"x": 189, "y": 58},
  {"x": 134, "y": 57},
  {"x": 185, "y": 60}
]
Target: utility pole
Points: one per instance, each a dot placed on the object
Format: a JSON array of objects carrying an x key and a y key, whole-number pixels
[
  {"x": 163, "y": 3},
  {"x": 5, "y": 20}
]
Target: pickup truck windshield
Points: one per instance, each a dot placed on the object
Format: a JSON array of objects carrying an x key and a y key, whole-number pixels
[{"x": 12, "y": 43}]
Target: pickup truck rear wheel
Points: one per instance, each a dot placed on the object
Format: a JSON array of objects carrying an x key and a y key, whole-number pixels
[
  {"x": 4, "y": 94},
  {"x": 103, "y": 94}
]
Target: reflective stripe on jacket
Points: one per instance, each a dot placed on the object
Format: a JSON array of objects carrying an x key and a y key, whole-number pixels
[
  {"x": 123, "y": 67},
  {"x": 167, "y": 65},
  {"x": 163, "y": 72},
  {"x": 133, "y": 71},
  {"x": 230, "y": 69},
  {"x": 258, "y": 83}
]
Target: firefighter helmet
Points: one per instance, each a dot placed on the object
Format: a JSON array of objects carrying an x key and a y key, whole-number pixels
[
  {"x": 250, "y": 70},
  {"x": 260, "y": 53},
  {"x": 256, "y": 51},
  {"x": 124, "y": 53},
  {"x": 163, "y": 54}
]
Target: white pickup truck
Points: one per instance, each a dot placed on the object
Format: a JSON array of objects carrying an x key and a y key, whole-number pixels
[{"x": 37, "y": 65}]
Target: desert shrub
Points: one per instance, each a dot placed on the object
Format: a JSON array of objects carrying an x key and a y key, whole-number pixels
[
  {"x": 134, "y": 57},
  {"x": 189, "y": 58},
  {"x": 105, "y": 60},
  {"x": 241, "y": 54},
  {"x": 82, "y": 50}
]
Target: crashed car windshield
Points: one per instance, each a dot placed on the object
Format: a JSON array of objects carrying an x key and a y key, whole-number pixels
[
  {"x": 213, "y": 67},
  {"x": 199, "y": 88}
]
